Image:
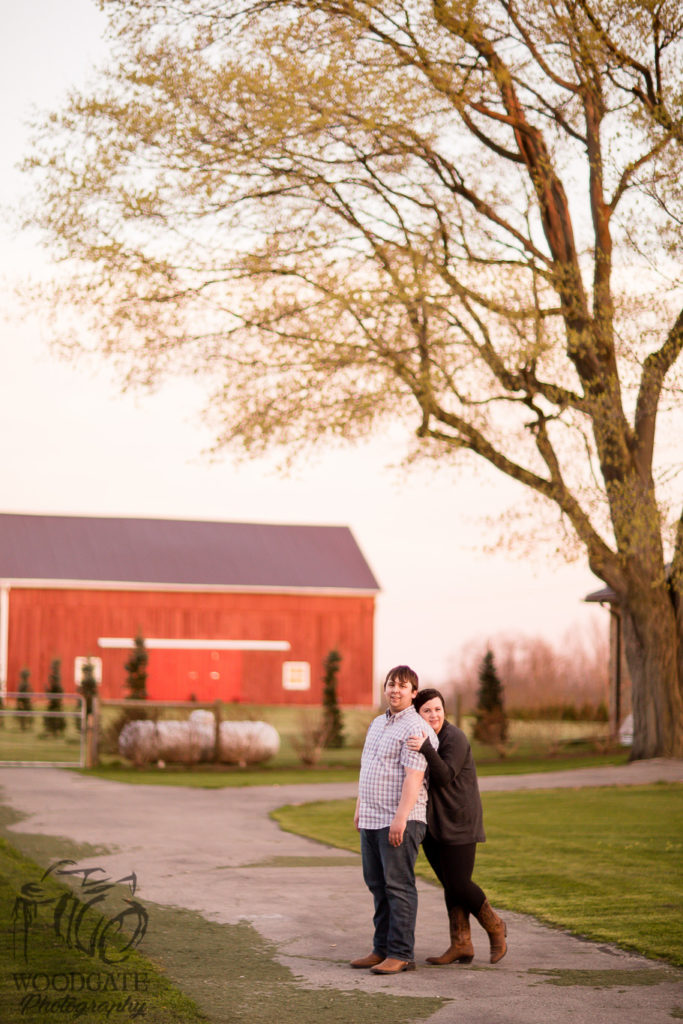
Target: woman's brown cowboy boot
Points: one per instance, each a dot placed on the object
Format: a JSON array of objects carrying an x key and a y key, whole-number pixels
[
  {"x": 461, "y": 948},
  {"x": 496, "y": 930}
]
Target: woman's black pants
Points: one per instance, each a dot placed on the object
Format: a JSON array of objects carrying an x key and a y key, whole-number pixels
[{"x": 453, "y": 866}]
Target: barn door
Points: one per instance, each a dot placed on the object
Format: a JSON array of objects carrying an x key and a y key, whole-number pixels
[{"x": 194, "y": 674}]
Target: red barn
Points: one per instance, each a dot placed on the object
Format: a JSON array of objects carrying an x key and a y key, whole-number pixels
[{"x": 230, "y": 611}]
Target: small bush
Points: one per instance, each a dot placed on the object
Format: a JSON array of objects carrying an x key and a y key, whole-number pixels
[
  {"x": 24, "y": 702},
  {"x": 88, "y": 685},
  {"x": 55, "y": 724},
  {"x": 332, "y": 716},
  {"x": 136, "y": 670},
  {"x": 491, "y": 726},
  {"x": 310, "y": 741}
]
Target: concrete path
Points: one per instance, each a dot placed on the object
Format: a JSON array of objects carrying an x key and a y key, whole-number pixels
[{"x": 218, "y": 853}]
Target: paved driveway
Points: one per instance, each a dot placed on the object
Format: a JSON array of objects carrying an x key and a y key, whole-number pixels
[{"x": 217, "y": 852}]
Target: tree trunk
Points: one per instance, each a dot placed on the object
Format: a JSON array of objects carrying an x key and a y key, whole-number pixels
[{"x": 651, "y": 645}]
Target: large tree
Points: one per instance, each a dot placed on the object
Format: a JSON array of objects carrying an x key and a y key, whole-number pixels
[{"x": 465, "y": 214}]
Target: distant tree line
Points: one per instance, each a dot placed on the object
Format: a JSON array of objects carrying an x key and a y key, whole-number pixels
[{"x": 540, "y": 678}]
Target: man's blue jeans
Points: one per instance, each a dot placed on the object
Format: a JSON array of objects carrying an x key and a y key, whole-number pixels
[{"x": 389, "y": 873}]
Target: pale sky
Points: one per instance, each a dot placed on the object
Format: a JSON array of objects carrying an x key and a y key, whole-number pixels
[{"x": 71, "y": 443}]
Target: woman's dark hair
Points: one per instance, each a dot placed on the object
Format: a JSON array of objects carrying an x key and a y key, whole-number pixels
[{"x": 429, "y": 693}]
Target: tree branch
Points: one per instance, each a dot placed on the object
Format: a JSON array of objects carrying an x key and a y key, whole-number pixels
[
  {"x": 602, "y": 559},
  {"x": 656, "y": 367}
]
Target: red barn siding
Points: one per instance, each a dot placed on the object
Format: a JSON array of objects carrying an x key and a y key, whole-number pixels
[{"x": 66, "y": 623}]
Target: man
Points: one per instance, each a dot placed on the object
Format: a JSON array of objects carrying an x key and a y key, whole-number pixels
[{"x": 391, "y": 816}]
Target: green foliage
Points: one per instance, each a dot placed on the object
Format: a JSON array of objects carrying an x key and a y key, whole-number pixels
[
  {"x": 491, "y": 724},
  {"x": 333, "y": 724},
  {"x": 54, "y": 724},
  {"x": 24, "y": 702},
  {"x": 88, "y": 685},
  {"x": 490, "y": 694},
  {"x": 136, "y": 670}
]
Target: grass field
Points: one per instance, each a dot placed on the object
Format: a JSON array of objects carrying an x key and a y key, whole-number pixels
[
  {"x": 330, "y": 769},
  {"x": 35, "y": 744},
  {"x": 604, "y": 863}
]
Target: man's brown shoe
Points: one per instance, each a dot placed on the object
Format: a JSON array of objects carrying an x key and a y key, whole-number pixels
[
  {"x": 371, "y": 960},
  {"x": 392, "y": 966}
]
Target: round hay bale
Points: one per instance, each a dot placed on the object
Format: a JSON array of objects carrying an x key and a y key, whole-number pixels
[
  {"x": 247, "y": 742},
  {"x": 192, "y": 742},
  {"x": 202, "y": 716},
  {"x": 185, "y": 742},
  {"x": 137, "y": 742}
]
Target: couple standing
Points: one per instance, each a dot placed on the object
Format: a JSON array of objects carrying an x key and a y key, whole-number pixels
[{"x": 393, "y": 815}]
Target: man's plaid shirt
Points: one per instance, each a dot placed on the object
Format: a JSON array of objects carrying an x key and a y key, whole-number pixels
[{"x": 383, "y": 764}]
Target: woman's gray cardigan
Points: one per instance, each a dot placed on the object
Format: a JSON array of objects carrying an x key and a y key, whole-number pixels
[{"x": 454, "y": 812}]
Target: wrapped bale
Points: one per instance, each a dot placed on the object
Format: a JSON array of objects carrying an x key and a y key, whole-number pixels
[
  {"x": 185, "y": 742},
  {"x": 175, "y": 742},
  {"x": 247, "y": 742},
  {"x": 193, "y": 741},
  {"x": 138, "y": 742},
  {"x": 203, "y": 717}
]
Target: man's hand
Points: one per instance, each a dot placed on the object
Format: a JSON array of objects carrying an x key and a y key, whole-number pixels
[
  {"x": 396, "y": 830},
  {"x": 356, "y": 817},
  {"x": 409, "y": 794}
]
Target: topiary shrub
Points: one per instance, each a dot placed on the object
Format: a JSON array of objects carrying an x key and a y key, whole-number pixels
[
  {"x": 491, "y": 726},
  {"x": 333, "y": 726},
  {"x": 24, "y": 701},
  {"x": 55, "y": 724},
  {"x": 136, "y": 685}
]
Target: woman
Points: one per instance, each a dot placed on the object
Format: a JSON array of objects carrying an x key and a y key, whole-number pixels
[{"x": 454, "y": 827}]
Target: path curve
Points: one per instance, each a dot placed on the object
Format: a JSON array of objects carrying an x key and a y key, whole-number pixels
[{"x": 218, "y": 853}]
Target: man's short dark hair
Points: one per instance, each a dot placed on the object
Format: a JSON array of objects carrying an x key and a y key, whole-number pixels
[{"x": 403, "y": 674}]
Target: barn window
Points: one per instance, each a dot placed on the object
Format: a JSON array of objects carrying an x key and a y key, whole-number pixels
[
  {"x": 296, "y": 675},
  {"x": 97, "y": 669}
]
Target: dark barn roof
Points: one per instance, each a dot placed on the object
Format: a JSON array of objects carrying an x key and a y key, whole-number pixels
[{"x": 181, "y": 553}]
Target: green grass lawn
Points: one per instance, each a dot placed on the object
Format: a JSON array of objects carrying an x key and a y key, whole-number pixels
[
  {"x": 604, "y": 863},
  {"x": 37, "y": 745},
  {"x": 332, "y": 768}
]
